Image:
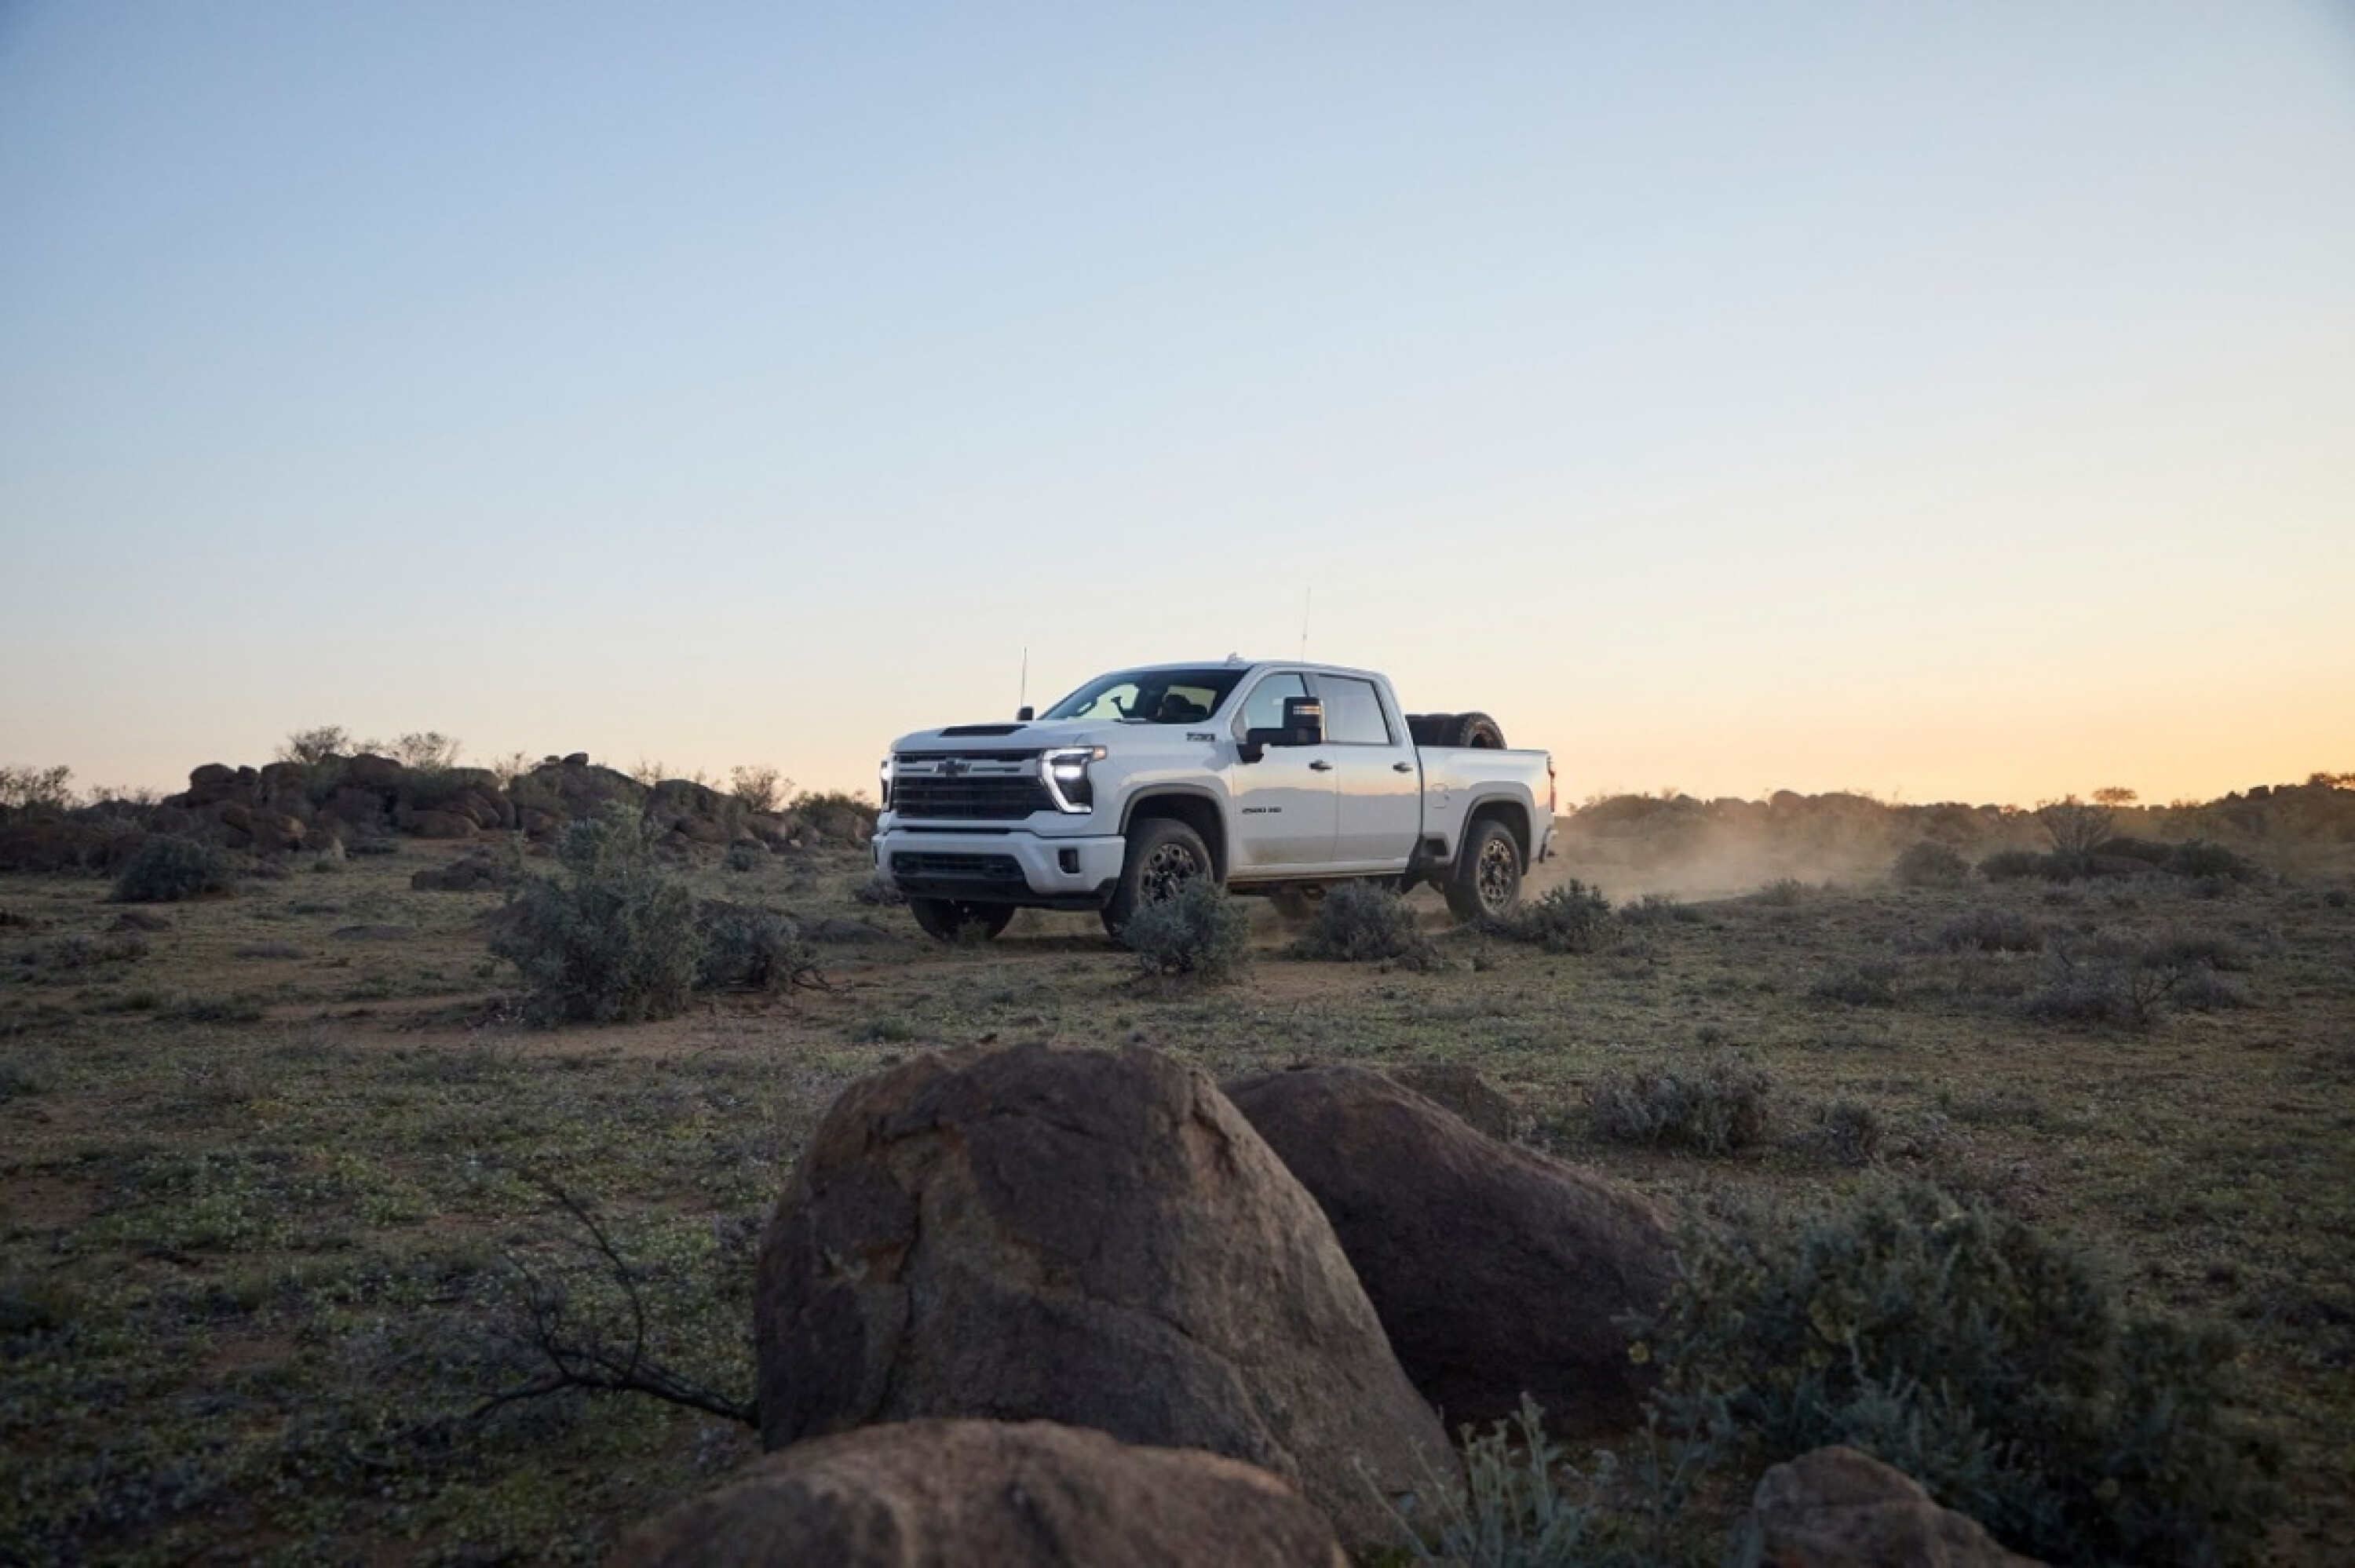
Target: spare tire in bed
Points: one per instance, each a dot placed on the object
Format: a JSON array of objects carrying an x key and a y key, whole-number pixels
[{"x": 1474, "y": 729}]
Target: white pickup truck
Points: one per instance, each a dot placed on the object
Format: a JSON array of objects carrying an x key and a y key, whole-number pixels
[{"x": 1272, "y": 778}]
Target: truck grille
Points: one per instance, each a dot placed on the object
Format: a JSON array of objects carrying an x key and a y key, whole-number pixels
[
  {"x": 957, "y": 867},
  {"x": 968, "y": 787}
]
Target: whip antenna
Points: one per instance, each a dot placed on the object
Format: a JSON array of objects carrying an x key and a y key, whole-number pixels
[{"x": 1022, "y": 691}]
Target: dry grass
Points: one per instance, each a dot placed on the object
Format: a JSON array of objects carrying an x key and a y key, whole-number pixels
[{"x": 261, "y": 1179}]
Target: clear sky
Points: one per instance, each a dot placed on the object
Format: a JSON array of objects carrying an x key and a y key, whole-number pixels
[{"x": 1948, "y": 401}]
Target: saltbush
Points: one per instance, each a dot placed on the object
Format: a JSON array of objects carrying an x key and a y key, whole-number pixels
[
  {"x": 1197, "y": 931},
  {"x": 168, "y": 868},
  {"x": 1572, "y": 918},
  {"x": 1716, "y": 1105},
  {"x": 1360, "y": 922},
  {"x": 746, "y": 948},
  {"x": 1994, "y": 1365},
  {"x": 1987, "y": 929},
  {"x": 616, "y": 942},
  {"x": 2010, "y": 865},
  {"x": 2200, "y": 858}
]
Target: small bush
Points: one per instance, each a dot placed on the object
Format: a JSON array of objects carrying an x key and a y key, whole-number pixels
[
  {"x": 1846, "y": 1132},
  {"x": 1994, "y": 1365},
  {"x": 168, "y": 868},
  {"x": 1198, "y": 931},
  {"x": 1358, "y": 922},
  {"x": 1927, "y": 864},
  {"x": 1717, "y": 1107},
  {"x": 1660, "y": 909},
  {"x": 1865, "y": 985},
  {"x": 1987, "y": 929},
  {"x": 742, "y": 858},
  {"x": 1572, "y": 919},
  {"x": 879, "y": 891},
  {"x": 2199, "y": 858},
  {"x": 1783, "y": 893},
  {"x": 754, "y": 950},
  {"x": 616, "y": 943},
  {"x": 2195, "y": 949},
  {"x": 2011, "y": 865}
]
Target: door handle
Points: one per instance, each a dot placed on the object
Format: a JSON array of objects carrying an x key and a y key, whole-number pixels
[
  {"x": 1320, "y": 766},
  {"x": 1401, "y": 766}
]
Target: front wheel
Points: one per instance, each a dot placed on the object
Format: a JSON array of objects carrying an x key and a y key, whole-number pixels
[
  {"x": 1164, "y": 855},
  {"x": 949, "y": 919},
  {"x": 1487, "y": 881}
]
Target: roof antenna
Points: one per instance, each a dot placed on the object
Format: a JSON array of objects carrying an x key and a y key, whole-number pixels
[
  {"x": 1307, "y": 596},
  {"x": 1022, "y": 692}
]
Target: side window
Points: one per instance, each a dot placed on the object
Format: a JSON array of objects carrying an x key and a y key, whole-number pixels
[
  {"x": 1263, "y": 709},
  {"x": 1353, "y": 712}
]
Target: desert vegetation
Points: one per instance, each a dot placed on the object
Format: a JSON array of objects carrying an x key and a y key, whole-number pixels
[{"x": 332, "y": 1227}]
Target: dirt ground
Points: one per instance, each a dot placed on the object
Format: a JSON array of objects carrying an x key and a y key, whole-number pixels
[{"x": 275, "y": 1174}]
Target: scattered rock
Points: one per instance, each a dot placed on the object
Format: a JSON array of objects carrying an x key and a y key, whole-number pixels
[
  {"x": 1496, "y": 1270},
  {"x": 1093, "y": 1237},
  {"x": 1836, "y": 1508},
  {"x": 983, "y": 1494}
]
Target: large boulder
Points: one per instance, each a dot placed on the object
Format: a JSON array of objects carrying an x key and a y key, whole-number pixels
[
  {"x": 1496, "y": 1270},
  {"x": 984, "y": 1494},
  {"x": 1090, "y": 1237},
  {"x": 1836, "y": 1508}
]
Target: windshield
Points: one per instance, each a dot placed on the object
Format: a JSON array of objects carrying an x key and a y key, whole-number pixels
[{"x": 1149, "y": 696}]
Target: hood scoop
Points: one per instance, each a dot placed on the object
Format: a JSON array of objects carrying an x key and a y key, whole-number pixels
[{"x": 981, "y": 729}]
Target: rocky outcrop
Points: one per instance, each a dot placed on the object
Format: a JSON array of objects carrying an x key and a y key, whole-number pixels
[
  {"x": 1090, "y": 1237},
  {"x": 1836, "y": 1508},
  {"x": 981, "y": 1494},
  {"x": 1496, "y": 1270}
]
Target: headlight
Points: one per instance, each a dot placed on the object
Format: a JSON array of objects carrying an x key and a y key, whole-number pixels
[
  {"x": 1066, "y": 775},
  {"x": 883, "y": 782}
]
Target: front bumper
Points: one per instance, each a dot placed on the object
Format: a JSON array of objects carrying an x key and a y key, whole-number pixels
[{"x": 1000, "y": 867}]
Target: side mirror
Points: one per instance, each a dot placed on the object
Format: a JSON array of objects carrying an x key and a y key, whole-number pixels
[
  {"x": 1025, "y": 713},
  {"x": 1304, "y": 722}
]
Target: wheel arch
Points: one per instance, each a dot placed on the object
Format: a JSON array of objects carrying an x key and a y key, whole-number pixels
[
  {"x": 1198, "y": 809},
  {"x": 1498, "y": 808}
]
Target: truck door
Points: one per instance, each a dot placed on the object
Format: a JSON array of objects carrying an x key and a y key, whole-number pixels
[
  {"x": 1379, "y": 803},
  {"x": 1284, "y": 804}
]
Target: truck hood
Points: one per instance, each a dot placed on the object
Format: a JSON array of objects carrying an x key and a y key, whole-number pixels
[{"x": 1012, "y": 735}]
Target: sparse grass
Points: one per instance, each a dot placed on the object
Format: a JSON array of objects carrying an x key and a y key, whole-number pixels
[{"x": 281, "y": 1244}]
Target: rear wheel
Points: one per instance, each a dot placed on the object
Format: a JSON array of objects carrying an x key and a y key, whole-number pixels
[
  {"x": 1164, "y": 855},
  {"x": 949, "y": 919},
  {"x": 1487, "y": 881}
]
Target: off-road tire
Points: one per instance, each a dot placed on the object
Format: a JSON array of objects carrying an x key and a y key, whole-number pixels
[
  {"x": 1476, "y": 730},
  {"x": 1486, "y": 883},
  {"x": 950, "y": 919},
  {"x": 1164, "y": 854}
]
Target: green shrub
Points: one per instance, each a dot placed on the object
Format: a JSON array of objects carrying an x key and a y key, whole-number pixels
[
  {"x": 168, "y": 868},
  {"x": 754, "y": 949},
  {"x": 1862, "y": 985},
  {"x": 2199, "y": 858},
  {"x": 1994, "y": 1364},
  {"x": 1987, "y": 929},
  {"x": 2010, "y": 865},
  {"x": 1360, "y": 922},
  {"x": 742, "y": 858},
  {"x": 1716, "y": 1107},
  {"x": 1572, "y": 919},
  {"x": 1927, "y": 864},
  {"x": 1197, "y": 931},
  {"x": 1660, "y": 909},
  {"x": 1846, "y": 1132},
  {"x": 616, "y": 943},
  {"x": 1783, "y": 893}
]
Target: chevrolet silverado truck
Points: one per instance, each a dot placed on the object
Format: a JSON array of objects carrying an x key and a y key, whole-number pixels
[{"x": 1272, "y": 778}]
